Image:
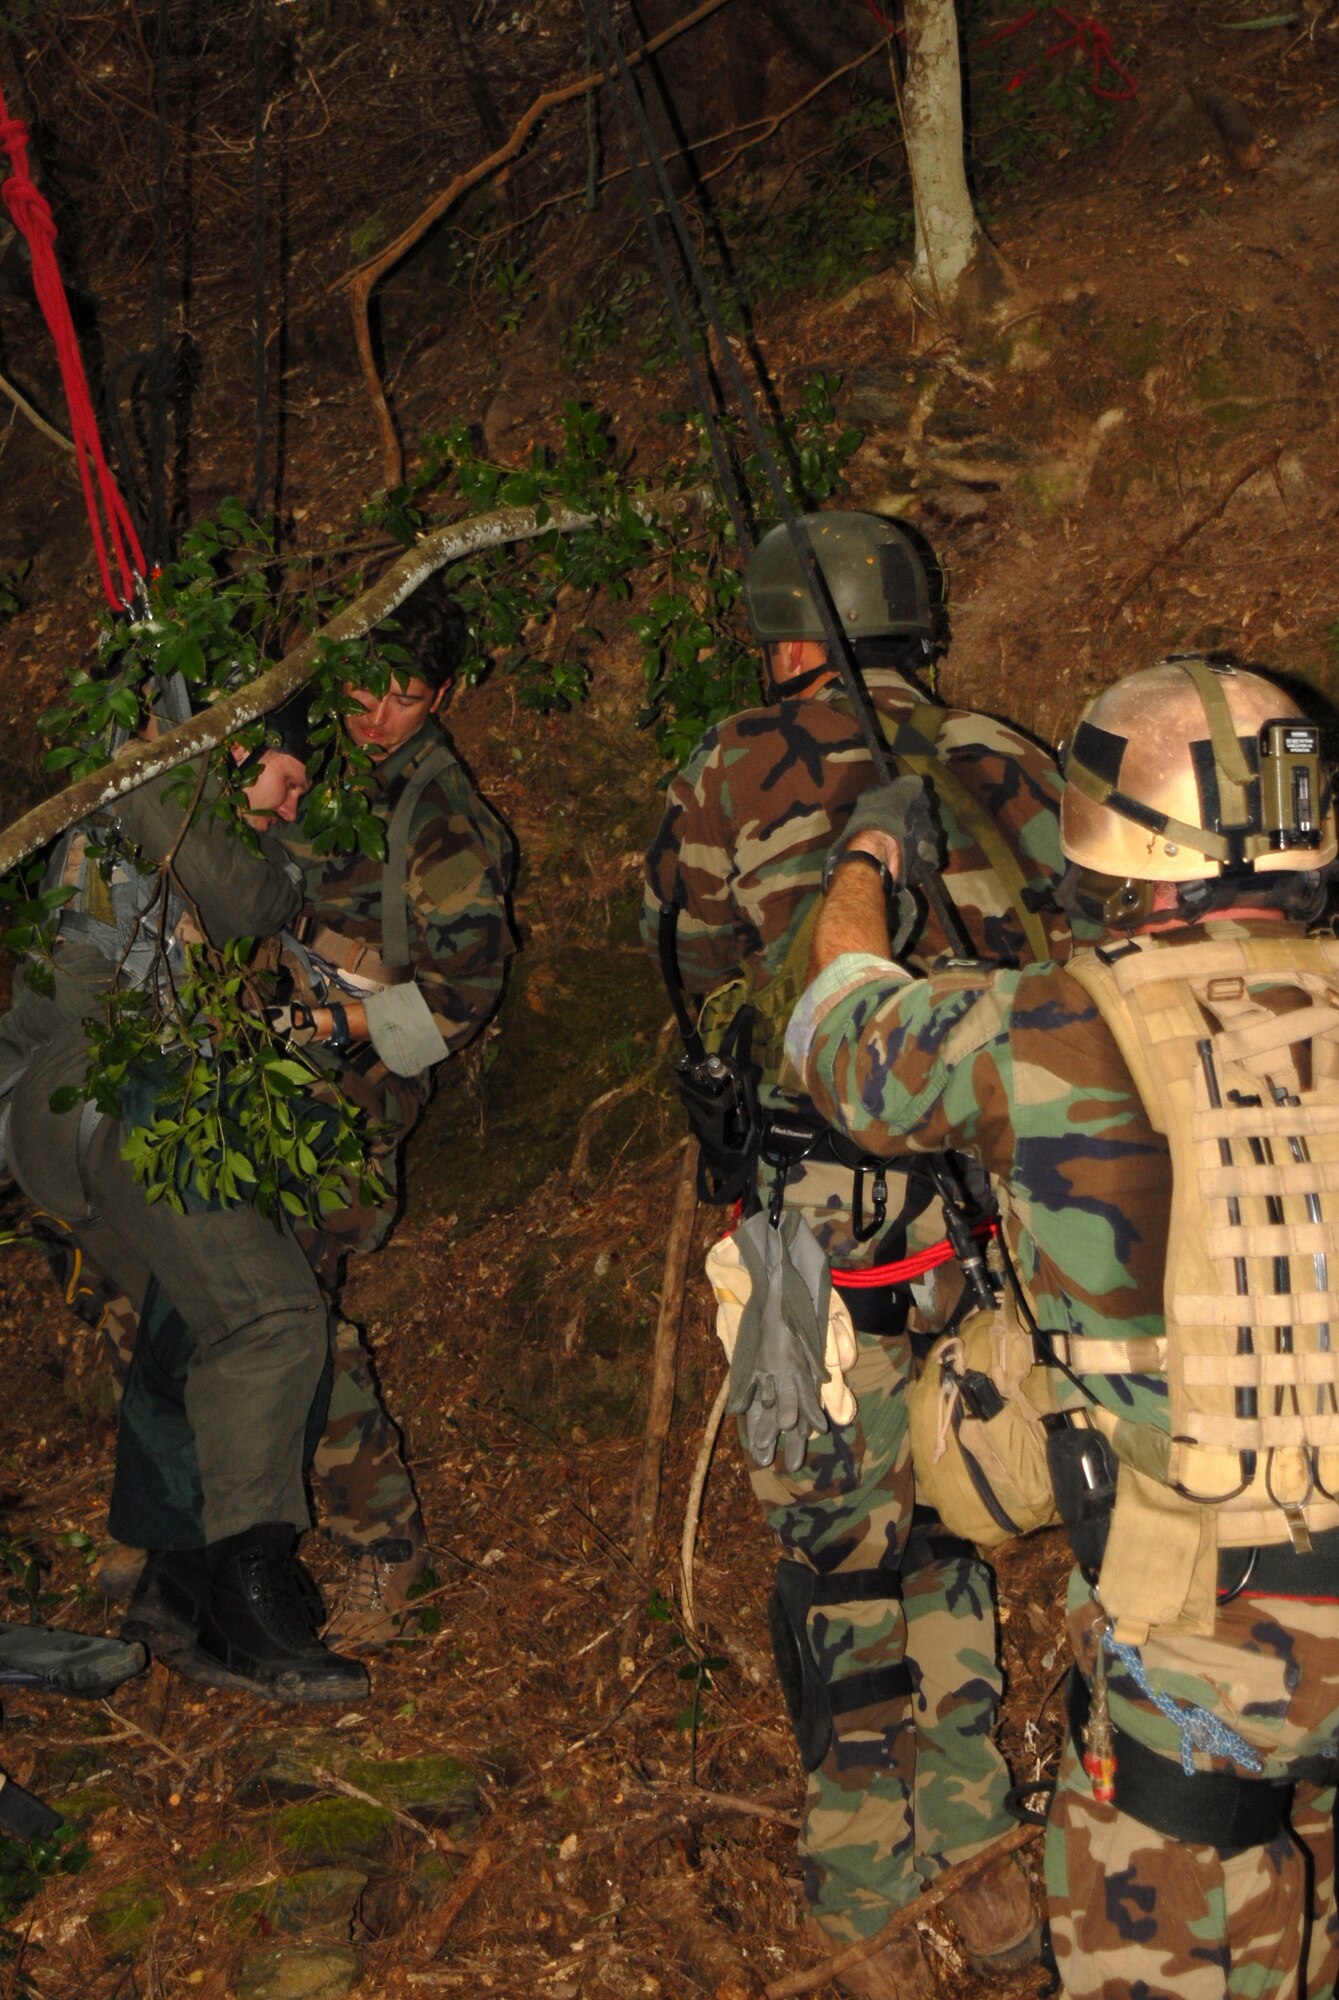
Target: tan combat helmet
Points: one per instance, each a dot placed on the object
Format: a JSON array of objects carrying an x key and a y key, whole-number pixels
[{"x": 1190, "y": 771}]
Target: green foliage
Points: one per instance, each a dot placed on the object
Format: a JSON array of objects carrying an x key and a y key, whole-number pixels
[
  {"x": 1051, "y": 112},
  {"x": 25, "y": 1866},
  {"x": 21, "y": 1564},
  {"x": 225, "y": 1113},
  {"x": 11, "y": 581},
  {"x": 214, "y": 1110},
  {"x": 29, "y": 916},
  {"x": 699, "y": 1670}
]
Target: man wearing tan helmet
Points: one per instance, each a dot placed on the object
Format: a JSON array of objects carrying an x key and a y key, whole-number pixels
[{"x": 1160, "y": 1119}]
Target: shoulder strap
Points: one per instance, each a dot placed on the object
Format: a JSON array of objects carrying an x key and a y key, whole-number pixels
[
  {"x": 395, "y": 872},
  {"x": 913, "y": 741}
]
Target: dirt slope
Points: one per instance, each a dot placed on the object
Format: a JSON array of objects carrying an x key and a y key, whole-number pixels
[{"x": 1143, "y": 460}]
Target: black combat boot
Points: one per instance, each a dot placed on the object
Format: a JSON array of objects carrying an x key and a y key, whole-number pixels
[
  {"x": 258, "y": 1629},
  {"x": 165, "y": 1611}
]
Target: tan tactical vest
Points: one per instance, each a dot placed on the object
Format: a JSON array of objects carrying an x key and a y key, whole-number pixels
[{"x": 1233, "y": 1043}]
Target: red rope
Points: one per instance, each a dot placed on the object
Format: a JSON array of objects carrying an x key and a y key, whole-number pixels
[
  {"x": 889, "y": 27},
  {"x": 107, "y": 514},
  {"x": 1089, "y": 34},
  {"x": 873, "y": 1277}
]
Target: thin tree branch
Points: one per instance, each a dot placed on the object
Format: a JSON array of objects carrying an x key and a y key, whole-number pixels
[
  {"x": 20, "y": 402},
  {"x": 768, "y": 128},
  {"x": 664, "y": 1363},
  {"x": 1200, "y": 521},
  {"x": 360, "y": 281},
  {"x": 693, "y": 1509},
  {"x": 939, "y": 1891}
]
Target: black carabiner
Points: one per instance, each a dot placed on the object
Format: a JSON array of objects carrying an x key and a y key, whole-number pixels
[{"x": 861, "y": 1230}]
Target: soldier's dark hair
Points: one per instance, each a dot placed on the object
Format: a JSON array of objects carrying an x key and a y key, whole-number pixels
[
  {"x": 432, "y": 629},
  {"x": 288, "y": 727}
]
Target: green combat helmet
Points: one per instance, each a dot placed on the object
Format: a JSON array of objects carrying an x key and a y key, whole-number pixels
[{"x": 876, "y": 574}]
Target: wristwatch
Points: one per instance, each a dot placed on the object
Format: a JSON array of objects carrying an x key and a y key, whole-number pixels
[
  {"x": 339, "y": 1039},
  {"x": 844, "y": 854}
]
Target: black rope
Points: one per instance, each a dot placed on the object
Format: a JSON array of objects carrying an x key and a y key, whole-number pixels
[
  {"x": 720, "y": 456},
  {"x": 599, "y": 15},
  {"x": 157, "y": 383},
  {"x": 258, "y": 224}
]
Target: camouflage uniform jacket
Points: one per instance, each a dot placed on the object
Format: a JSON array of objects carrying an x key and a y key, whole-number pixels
[
  {"x": 752, "y": 815},
  {"x": 1018, "y": 1069},
  {"x": 460, "y": 867}
]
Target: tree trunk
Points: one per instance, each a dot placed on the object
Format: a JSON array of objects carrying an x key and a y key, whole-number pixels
[{"x": 948, "y": 235}]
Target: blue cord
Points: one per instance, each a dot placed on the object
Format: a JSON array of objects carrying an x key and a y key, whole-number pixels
[{"x": 1200, "y": 1729}]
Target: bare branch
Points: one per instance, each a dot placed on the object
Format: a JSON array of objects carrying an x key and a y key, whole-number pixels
[
  {"x": 215, "y": 724},
  {"x": 360, "y": 281},
  {"x": 224, "y": 718},
  {"x": 35, "y": 417}
]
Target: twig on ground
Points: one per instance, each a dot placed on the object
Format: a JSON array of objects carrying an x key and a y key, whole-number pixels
[
  {"x": 594, "y": 1114},
  {"x": 608, "y": 1722},
  {"x": 441, "y": 1841},
  {"x": 693, "y": 1510},
  {"x": 186, "y": 1764},
  {"x": 432, "y": 1936},
  {"x": 699, "y": 1804},
  {"x": 939, "y": 1891},
  {"x": 664, "y": 1362},
  {"x": 1165, "y": 555}
]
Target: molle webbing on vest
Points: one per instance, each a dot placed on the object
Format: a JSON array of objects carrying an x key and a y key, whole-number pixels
[{"x": 1233, "y": 1043}]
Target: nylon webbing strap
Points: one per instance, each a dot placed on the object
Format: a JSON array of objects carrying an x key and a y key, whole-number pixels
[
  {"x": 914, "y": 742},
  {"x": 870, "y": 1690},
  {"x": 394, "y": 882},
  {"x": 864, "y": 1586}
]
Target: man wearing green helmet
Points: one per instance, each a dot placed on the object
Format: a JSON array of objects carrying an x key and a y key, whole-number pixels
[{"x": 891, "y": 1619}]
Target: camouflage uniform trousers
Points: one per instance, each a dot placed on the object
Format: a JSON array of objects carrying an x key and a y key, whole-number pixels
[
  {"x": 1136, "y": 1915},
  {"x": 913, "y": 1785}
]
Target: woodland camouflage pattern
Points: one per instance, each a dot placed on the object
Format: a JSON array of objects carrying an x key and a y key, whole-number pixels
[
  {"x": 1019, "y": 1069},
  {"x": 750, "y": 818},
  {"x": 916, "y": 1783},
  {"x": 459, "y": 872}
]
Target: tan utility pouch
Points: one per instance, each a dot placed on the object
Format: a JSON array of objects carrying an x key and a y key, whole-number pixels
[{"x": 986, "y": 1476}]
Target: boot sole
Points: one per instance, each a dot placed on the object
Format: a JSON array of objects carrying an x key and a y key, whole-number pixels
[
  {"x": 290, "y": 1688},
  {"x": 167, "y": 1637}
]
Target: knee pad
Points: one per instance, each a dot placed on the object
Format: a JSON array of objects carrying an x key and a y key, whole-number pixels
[{"x": 814, "y": 1703}]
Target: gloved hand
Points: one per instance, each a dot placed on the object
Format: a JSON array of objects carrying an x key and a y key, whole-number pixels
[
  {"x": 777, "y": 1372},
  {"x": 903, "y": 808},
  {"x": 292, "y": 1024},
  {"x": 728, "y": 1276}
]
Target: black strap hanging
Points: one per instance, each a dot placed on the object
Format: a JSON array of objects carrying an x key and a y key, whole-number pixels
[{"x": 601, "y": 26}]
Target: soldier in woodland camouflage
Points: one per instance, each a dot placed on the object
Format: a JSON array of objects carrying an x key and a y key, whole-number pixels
[
  {"x": 1193, "y": 1856},
  {"x": 403, "y": 963},
  {"x": 913, "y": 1782}
]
